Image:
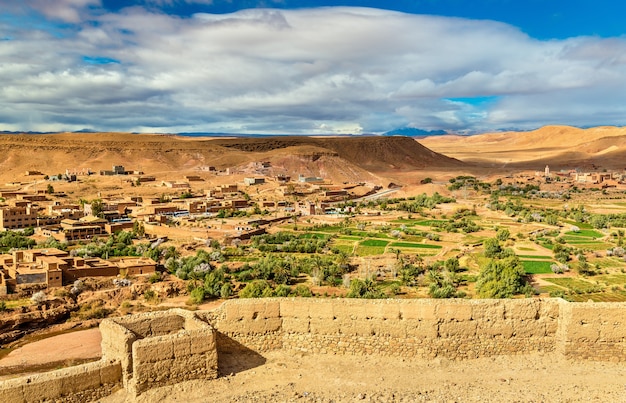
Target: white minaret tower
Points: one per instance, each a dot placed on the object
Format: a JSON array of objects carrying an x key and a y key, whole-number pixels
[{"x": 547, "y": 171}]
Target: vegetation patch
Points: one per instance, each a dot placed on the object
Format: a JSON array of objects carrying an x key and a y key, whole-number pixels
[
  {"x": 370, "y": 250},
  {"x": 415, "y": 245},
  {"x": 536, "y": 267},
  {"x": 586, "y": 232},
  {"x": 612, "y": 279},
  {"x": 374, "y": 242},
  {"x": 576, "y": 285},
  {"x": 428, "y": 223},
  {"x": 535, "y": 257},
  {"x": 599, "y": 297},
  {"x": 314, "y": 235}
]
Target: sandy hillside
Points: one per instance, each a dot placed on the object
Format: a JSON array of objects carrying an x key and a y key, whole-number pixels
[
  {"x": 338, "y": 159},
  {"x": 558, "y": 146}
]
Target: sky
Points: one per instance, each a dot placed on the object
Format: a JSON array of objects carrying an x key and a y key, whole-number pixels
[{"x": 310, "y": 66}]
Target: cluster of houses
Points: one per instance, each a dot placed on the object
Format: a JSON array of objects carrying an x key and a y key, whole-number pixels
[
  {"x": 50, "y": 216},
  {"x": 53, "y": 267},
  {"x": 605, "y": 178}
]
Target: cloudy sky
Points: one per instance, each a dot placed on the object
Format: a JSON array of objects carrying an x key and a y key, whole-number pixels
[{"x": 310, "y": 66}]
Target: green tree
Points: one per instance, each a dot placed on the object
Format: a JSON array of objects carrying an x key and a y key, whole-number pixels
[
  {"x": 492, "y": 248},
  {"x": 503, "y": 234},
  {"x": 197, "y": 295},
  {"x": 501, "y": 278},
  {"x": 256, "y": 289},
  {"x": 97, "y": 208},
  {"x": 365, "y": 289},
  {"x": 50, "y": 189}
]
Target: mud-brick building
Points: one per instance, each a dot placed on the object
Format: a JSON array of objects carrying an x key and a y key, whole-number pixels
[
  {"x": 53, "y": 268},
  {"x": 18, "y": 217}
]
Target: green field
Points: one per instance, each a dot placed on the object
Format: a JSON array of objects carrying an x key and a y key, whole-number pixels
[
  {"x": 547, "y": 289},
  {"x": 535, "y": 257},
  {"x": 374, "y": 242},
  {"x": 536, "y": 267},
  {"x": 581, "y": 225},
  {"x": 599, "y": 297},
  {"x": 428, "y": 223},
  {"x": 347, "y": 249},
  {"x": 369, "y": 250},
  {"x": 314, "y": 235},
  {"x": 330, "y": 229},
  {"x": 576, "y": 285},
  {"x": 611, "y": 279},
  {"x": 414, "y": 245},
  {"x": 586, "y": 233}
]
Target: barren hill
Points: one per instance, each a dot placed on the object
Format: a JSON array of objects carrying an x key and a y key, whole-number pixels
[
  {"x": 558, "y": 146},
  {"x": 336, "y": 158}
]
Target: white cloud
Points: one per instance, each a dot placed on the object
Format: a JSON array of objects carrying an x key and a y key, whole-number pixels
[
  {"x": 64, "y": 10},
  {"x": 300, "y": 71}
]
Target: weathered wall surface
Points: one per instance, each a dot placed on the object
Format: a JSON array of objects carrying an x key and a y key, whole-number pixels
[
  {"x": 81, "y": 383},
  {"x": 187, "y": 354},
  {"x": 423, "y": 328},
  {"x": 457, "y": 329},
  {"x": 594, "y": 331},
  {"x": 138, "y": 352}
]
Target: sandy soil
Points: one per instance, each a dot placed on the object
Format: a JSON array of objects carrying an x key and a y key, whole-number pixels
[
  {"x": 59, "y": 350},
  {"x": 285, "y": 377}
]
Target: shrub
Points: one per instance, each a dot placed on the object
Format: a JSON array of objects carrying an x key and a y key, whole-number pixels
[
  {"x": 197, "y": 295},
  {"x": 302, "y": 290},
  {"x": 39, "y": 298},
  {"x": 150, "y": 296},
  {"x": 92, "y": 310},
  {"x": 256, "y": 289},
  {"x": 226, "y": 291},
  {"x": 154, "y": 277},
  {"x": 282, "y": 290}
]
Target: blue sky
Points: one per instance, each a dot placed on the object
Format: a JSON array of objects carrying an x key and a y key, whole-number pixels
[{"x": 310, "y": 67}]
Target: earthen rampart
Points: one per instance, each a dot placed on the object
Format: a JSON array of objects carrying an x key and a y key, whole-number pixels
[
  {"x": 153, "y": 349},
  {"x": 424, "y": 328}
]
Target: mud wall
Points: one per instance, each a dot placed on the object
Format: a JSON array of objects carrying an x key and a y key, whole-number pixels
[
  {"x": 139, "y": 352},
  {"x": 147, "y": 350},
  {"x": 82, "y": 383},
  {"x": 455, "y": 329},
  {"x": 593, "y": 331}
]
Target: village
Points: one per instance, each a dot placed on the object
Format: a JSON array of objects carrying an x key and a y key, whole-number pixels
[
  {"x": 223, "y": 206},
  {"x": 187, "y": 209}
]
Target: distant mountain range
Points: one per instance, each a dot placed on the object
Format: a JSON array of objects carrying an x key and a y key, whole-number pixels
[{"x": 414, "y": 132}]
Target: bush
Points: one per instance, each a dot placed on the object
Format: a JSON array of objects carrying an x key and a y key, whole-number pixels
[
  {"x": 154, "y": 277},
  {"x": 226, "y": 291},
  {"x": 92, "y": 310},
  {"x": 282, "y": 290},
  {"x": 150, "y": 296},
  {"x": 256, "y": 289},
  {"x": 197, "y": 295},
  {"x": 39, "y": 298},
  {"x": 302, "y": 290},
  {"x": 3, "y": 306}
]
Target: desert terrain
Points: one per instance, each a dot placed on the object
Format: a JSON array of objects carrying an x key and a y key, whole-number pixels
[{"x": 380, "y": 243}]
